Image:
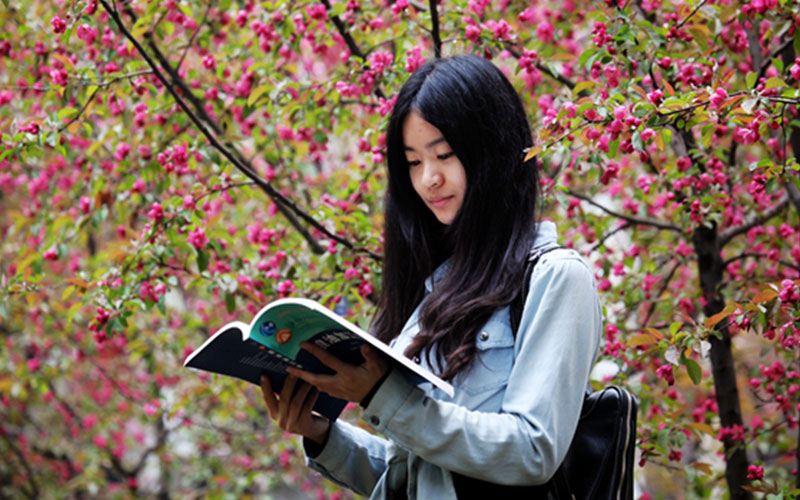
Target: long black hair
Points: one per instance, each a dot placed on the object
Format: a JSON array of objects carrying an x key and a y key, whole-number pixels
[{"x": 482, "y": 118}]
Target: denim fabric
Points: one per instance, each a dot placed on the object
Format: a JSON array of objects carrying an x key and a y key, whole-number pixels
[{"x": 515, "y": 409}]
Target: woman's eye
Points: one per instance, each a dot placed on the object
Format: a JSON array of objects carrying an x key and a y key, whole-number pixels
[
  {"x": 445, "y": 155},
  {"x": 413, "y": 163}
]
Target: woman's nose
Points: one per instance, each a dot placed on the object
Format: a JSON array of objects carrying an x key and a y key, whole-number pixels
[{"x": 432, "y": 176}]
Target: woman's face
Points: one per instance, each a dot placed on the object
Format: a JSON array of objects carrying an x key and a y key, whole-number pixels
[{"x": 436, "y": 173}]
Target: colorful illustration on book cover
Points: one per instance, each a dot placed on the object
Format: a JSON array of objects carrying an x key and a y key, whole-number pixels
[{"x": 283, "y": 329}]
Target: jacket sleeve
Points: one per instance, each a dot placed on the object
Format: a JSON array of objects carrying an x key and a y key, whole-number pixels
[
  {"x": 555, "y": 348},
  {"x": 351, "y": 457}
]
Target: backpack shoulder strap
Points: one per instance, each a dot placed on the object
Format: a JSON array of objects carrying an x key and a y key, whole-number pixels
[{"x": 518, "y": 304}]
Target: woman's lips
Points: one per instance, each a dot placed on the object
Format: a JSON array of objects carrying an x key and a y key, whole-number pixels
[{"x": 441, "y": 201}]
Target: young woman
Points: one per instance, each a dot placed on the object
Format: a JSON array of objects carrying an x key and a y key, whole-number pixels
[{"x": 460, "y": 227}]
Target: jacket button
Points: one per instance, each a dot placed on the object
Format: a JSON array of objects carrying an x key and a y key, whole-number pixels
[
  {"x": 484, "y": 336},
  {"x": 375, "y": 420},
  {"x": 415, "y": 359}
]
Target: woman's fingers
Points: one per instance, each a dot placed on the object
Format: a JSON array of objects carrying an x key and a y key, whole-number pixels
[
  {"x": 327, "y": 359},
  {"x": 310, "y": 401},
  {"x": 269, "y": 397},
  {"x": 296, "y": 404},
  {"x": 285, "y": 398}
]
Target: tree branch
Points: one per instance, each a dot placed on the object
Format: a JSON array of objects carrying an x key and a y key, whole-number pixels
[
  {"x": 745, "y": 255},
  {"x": 602, "y": 240},
  {"x": 771, "y": 212},
  {"x": 34, "y": 493},
  {"x": 437, "y": 40},
  {"x": 287, "y": 207},
  {"x": 632, "y": 220},
  {"x": 351, "y": 43}
]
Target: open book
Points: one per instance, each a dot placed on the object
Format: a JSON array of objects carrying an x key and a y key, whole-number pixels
[{"x": 271, "y": 342}]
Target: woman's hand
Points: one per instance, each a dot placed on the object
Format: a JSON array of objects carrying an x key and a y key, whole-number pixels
[
  {"x": 291, "y": 409},
  {"x": 350, "y": 382}
]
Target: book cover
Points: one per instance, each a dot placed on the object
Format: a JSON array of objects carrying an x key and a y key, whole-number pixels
[{"x": 271, "y": 342}]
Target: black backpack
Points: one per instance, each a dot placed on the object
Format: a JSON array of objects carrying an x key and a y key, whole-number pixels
[{"x": 599, "y": 462}]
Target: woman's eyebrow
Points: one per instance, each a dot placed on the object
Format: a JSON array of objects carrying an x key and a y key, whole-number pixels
[{"x": 427, "y": 146}]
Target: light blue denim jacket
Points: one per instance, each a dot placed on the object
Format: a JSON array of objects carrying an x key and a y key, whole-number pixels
[{"x": 514, "y": 411}]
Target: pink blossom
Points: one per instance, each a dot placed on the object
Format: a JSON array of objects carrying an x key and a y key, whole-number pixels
[
  {"x": 151, "y": 408},
  {"x": 31, "y": 128},
  {"x": 380, "y": 60},
  {"x": 789, "y": 292},
  {"x": 198, "y": 238},
  {"x": 100, "y": 441},
  {"x": 526, "y": 16},
  {"x": 156, "y": 213},
  {"x": 89, "y": 420},
  {"x": 58, "y": 24},
  {"x": 209, "y": 62},
  {"x": 399, "y": 6},
  {"x": 50, "y": 254},
  {"x": 87, "y": 33},
  {"x": 545, "y": 31},
  {"x": 286, "y": 287},
  {"x": 755, "y": 472},
  {"x": 138, "y": 186},
  {"x": 501, "y": 29},
  {"x": 473, "y": 33},
  {"x": 123, "y": 148},
  {"x": 665, "y": 372},
  {"x": 415, "y": 60},
  {"x": 647, "y": 134},
  {"x": 655, "y": 97},
  {"x": 719, "y": 97},
  {"x": 684, "y": 163},
  {"x": 59, "y": 77},
  {"x": 85, "y": 204},
  {"x": 744, "y": 135}
]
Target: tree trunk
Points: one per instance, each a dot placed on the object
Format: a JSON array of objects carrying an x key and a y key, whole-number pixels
[{"x": 710, "y": 268}]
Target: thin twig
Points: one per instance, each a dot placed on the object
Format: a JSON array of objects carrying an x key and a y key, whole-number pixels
[
  {"x": 734, "y": 231},
  {"x": 680, "y": 25},
  {"x": 194, "y": 35},
  {"x": 83, "y": 108},
  {"x": 745, "y": 255},
  {"x": 619, "y": 228},
  {"x": 652, "y": 307},
  {"x": 633, "y": 220}
]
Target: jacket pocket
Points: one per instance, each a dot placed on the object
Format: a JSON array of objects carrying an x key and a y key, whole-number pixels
[{"x": 492, "y": 364}]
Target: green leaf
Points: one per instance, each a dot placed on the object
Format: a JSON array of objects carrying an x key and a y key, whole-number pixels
[
  {"x": 641, "y": 109},
  {"x": 202, "y": 260},
  {"x": 230, "y": 302},
  {"x": 750, "y": 80},
  {"x": 797, "y": 41},
  {"x": 694, "y": 371},
  {"x": 67, "y": 113},
  {"x": 666, "y": 135},
  {"x": 775, "y": 82},
  {"x": 258, "y": 92},
  {"x": 581, "y": 86},
  {"x": 674, "y": 327}
]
